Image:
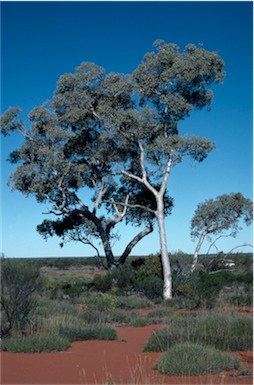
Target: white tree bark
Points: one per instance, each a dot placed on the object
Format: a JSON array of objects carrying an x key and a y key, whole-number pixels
[
  {"x": 166, "y": 268},
  {"x": 159, "y": 213},
  {"x": 195, "y": 256}
]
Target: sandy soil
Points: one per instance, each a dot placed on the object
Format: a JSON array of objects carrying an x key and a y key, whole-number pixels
[{"x": 105, "y": 362}]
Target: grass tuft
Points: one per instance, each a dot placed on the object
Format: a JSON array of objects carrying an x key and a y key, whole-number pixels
[
  {"x": 189, "y": 359},
  {"x": 75, "y": 333},
  {"x": 35, "y": 343},
  {"x": 224, "y": 331}
]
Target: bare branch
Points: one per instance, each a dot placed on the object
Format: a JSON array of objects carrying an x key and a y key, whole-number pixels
[
  {"x": 237, "y": 247},
  {"x": 166, "y": 176},
  {"x": 135, "y": 206},
  {"x": 102, "y": 191},
  {"x": 221, "y": 236},
  {"x": 24, "y": 133},
  {"x": 142, "y": 180},
  {"x": 120, "y": 215}
]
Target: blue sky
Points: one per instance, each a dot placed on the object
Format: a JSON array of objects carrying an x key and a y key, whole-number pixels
[{"x": 40, "y": 41}]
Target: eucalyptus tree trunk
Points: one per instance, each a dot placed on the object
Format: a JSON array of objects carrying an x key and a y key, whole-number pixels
[
  {"x": 167, "y": 276},
  {"x": 195, "y": 256}
]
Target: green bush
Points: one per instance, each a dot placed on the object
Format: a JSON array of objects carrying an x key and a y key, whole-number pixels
[
  {"x": 151, "y": 286},
  {"x": 124, "y": 277},
  {"x": 189, "y": 359},
  {"x": 241, "y": 300},
  {"x": 35, "y": 343},
  {"x": 81, "y": 333},
  {"x": 19, "y": 281},
  {"x": 140, "y": 321},
  {"x": 102, "y": 282},
  {"x": 98, "y": 308},
  {"x": 134, "y": 302},
  {"x": 224, "y": 331},
  {"x": 161, "y": 312}
]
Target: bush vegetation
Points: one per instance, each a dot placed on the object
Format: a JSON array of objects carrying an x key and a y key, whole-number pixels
[
  {"x": 190, "y": 359},
  {"x": 35, "y": 343},
  {"x": 49, "y": 308},
  {"x": 224, "y": 331},
  {"x": 19, "y": 281}
]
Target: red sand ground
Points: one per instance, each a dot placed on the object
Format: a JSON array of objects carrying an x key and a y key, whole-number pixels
[{"x": 105, "y": 362}]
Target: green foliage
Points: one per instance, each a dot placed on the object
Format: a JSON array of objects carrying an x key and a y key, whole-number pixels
[
  {"x": 149, "y": 277},
  {"x": 163, "y": 314},
  {"x": 241, "y": 300},
  {"x": 124, "y": 277},
  {"x": 224, "y": 331},
  {"x": 189, "y": 359},
  {"x": 152, "y": 287},
  {"x": 139, "y": 321},
  {"x": 99, "y": 308},
  {"x": 222, "y": 213},
  {"x": 78, "y": 333},
  {"x": 152, "y": 266},
  {"x": 19, "y": 281},
  {"x": 134, "y": 302},
  {"x": 196, "y": 288},
  {"x": 35, "y": 343},
  {"x": 102, "y": 283}
]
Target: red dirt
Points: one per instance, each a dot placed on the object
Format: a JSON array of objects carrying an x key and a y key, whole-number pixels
[{"x": 105, "y": 362}]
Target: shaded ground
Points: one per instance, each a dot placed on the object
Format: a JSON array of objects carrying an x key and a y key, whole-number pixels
[{"x": 105, "y": 362}]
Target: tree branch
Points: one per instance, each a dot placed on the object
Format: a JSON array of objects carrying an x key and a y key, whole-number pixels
[
  {"x": 221, "y": 236},
  {"x": 135, "y": 206},
  {"x": 133, "y": 243},
  {"x": 166, "y": 176},
  {"x": 102, "y": 191},
  {"x": 142, "y": 180}
]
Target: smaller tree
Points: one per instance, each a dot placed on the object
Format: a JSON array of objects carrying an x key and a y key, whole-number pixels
[{"x": 219, "y": 214}]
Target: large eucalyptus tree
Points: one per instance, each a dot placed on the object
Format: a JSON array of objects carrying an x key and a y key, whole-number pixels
[{"x": 119, "y": 136}]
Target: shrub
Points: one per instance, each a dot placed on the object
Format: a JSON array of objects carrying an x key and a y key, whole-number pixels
[
  {"x": 134, "y": 302},
  {"x": 189, "y": 359},
  {"x": 152, "y": 287},
  {"x": 140, "y": 321},
  {"x": 124, "y": 277},
  {"x": 241, "y": 300},
  {"x": 19, "y": 281},
  {"x": 161, "y": 315},
  {"x": 102, "y": 282},
  {"x": 35, "y": 343},
  {"x": 99, "y": 308},
  {"x": 81, "y": 333}
]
